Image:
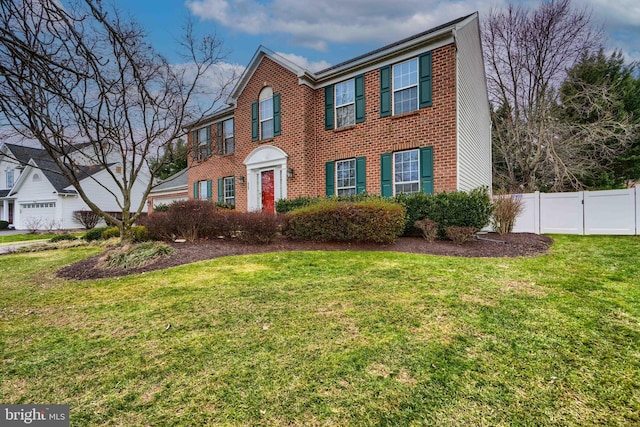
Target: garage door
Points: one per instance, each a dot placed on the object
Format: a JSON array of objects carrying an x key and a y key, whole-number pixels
[{"x": 38, "y": 216}]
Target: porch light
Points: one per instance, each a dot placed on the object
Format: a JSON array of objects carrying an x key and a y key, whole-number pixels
[
  {"x": 241, "y": 179},
  {"x": 290, "y": 173}
]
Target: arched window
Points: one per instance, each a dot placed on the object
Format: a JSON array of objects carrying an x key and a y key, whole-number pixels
[
  {"x": 36, "y": 178},
  {"x": 266, "y": 113}
]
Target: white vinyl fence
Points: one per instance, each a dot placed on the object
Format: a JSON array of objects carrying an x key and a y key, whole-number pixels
[{"x": 584, "y": 212}]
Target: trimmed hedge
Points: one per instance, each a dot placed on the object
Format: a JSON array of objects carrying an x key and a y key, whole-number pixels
[
  {"x": 4, "y": 224},
  {"x": 371, "y": 220},
  {"x": 456, "y": 208},
  {"x": 287, "y": 205},
  {"x": 61, "y": 237}
]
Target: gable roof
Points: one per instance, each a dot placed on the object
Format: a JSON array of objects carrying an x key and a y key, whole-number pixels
[
  {"x": 177, "y": 181},
  {"x": 315, "y": 80},
  {"x": 53, "y": 174}
]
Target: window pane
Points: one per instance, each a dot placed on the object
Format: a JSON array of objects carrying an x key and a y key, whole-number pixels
[
  {"x": 405, "y": 100},
  {"x": 228, "y": 128},
  {"x": 202, "y": 136},
  {"x": 346, "y": 116},
  {"x": 346, "y": 177},
  {"x": 266, "y": 129},
  {"x": 202, "y": 185},
  {"x": 345, "y": 93},
  {"x": 230, "y": 190},
  {"x": 266, "y": 109},
  {"x": 406, "y": 172}
]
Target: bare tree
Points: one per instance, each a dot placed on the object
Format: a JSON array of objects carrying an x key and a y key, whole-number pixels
[
  {"x": 528, "y": 53},
  {"x": 81, "y": 73}
]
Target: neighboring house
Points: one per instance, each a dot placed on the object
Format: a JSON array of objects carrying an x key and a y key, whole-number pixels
[
  {"x": 37, "y": 195},
  {"x": 172, "y": 189},
  {"x": 410, "y": 117}
]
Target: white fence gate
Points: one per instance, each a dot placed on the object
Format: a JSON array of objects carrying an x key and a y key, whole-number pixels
[{"x": 584, "y": 212}]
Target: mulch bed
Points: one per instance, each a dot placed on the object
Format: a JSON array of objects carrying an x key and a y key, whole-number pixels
[{"x": 490, "y": 245}]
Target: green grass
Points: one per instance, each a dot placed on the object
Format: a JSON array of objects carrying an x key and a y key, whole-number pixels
[
  {"x": 12, "y": 238},
  {"x": 332, "y": 338}
]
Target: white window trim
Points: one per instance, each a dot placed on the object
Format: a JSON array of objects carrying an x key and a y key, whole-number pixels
[
  {"x": 226, "y": 137},
  {"x": 226, "y": 198},
  {"x": 338, "y": 188},
  {"x": 336, "y": 106},
  {"x": 405, "y": 182},
  {"x": 399, "y": 89},
  {"x": 202, "y": 186}
]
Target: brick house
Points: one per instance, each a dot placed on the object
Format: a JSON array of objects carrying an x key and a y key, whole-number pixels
[{"x": 408, "y": 117}]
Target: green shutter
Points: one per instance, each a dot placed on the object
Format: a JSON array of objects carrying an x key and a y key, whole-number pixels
[
  {"x": 194, "y": 144},
  {"x": 426, "y": 169},
  {"x": 361, "y": 175},
  {"x": 386, "y": 175},
  {"x": 328, "y": 107},
  {"x": 254, "y": 121},
  {"x": 385, "y": 91},
  {"x": 208, "y": 189},
  {"x": 195, "y": 190},
  {"x": 330, "y": 187},
  {"x": 276, "y": 115},
  {"x": 208, "y": 153},
  {"x": 220, "y": 137},
  {"x": 424, "y": 66},
  {"x": 220, "y": 190},
  {"x": 360, "y": 114}
]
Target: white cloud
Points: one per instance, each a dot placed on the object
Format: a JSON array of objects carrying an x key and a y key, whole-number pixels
[
  {"x": 327, "y": 21},
  {"x": 303, "y": 62}
]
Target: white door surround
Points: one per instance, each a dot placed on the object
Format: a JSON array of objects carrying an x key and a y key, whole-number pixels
[{"x": 263, "y": 158}]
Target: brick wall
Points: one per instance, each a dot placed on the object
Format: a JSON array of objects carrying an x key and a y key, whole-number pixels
[{"x": 309, "y": 145}]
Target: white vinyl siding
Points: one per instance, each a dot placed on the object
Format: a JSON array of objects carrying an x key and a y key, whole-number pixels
[{"x": 473, "y": 119}]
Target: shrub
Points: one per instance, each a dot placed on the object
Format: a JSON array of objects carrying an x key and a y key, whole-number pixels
[
  {"x": 429, "y": 229},
  {"x": 506, "y": 209},
  {"x": 222, "y": 205},
  {"x": 4, "y": 224},
  {"x": 94, "y": 234},
  {"x": 287, "y": 205},
  {"x": 111, "y": 232},
  {"x": 257, "y": 227},
  {"x": 88, "y": 219},
  {"x": 162, "y": 207},
  {"x": 374, "y": 220},
  {"x": 190, "y": 219},
  {"x": 458, "y": 234},
  {"x": 140, "y": 233},
  {"x": 61, "y": 237},
  {"x": 159, "y": 226},
  {"x": 418, "y": 206},
  {"x": 137, "y": 255}
]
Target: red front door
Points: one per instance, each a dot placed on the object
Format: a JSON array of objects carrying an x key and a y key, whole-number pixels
[{"x": 268, "y": 199}]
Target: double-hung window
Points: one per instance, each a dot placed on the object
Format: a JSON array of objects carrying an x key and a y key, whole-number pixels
[
  {"x": 409, "y": 171},
  {"x": 266, "y": 119},
  {"x": 406, "y": 176},
  {"x": 202, "y": 140},
  {"x": 229, "y": 190},
  {"x": 346, "y": 177},
  {"x": 228, "y": 142},
  {"x": 204, "y": 190},
  {"x": 265, "y": 115},
  {"x": 405, "y": 86},
  {"x": 345, "y": 104}
]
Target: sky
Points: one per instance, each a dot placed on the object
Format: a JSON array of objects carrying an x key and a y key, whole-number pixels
[{"x": 319, "y": 33}]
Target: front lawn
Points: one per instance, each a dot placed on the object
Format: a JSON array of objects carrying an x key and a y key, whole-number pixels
[{"x": 332, "y": 338}]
